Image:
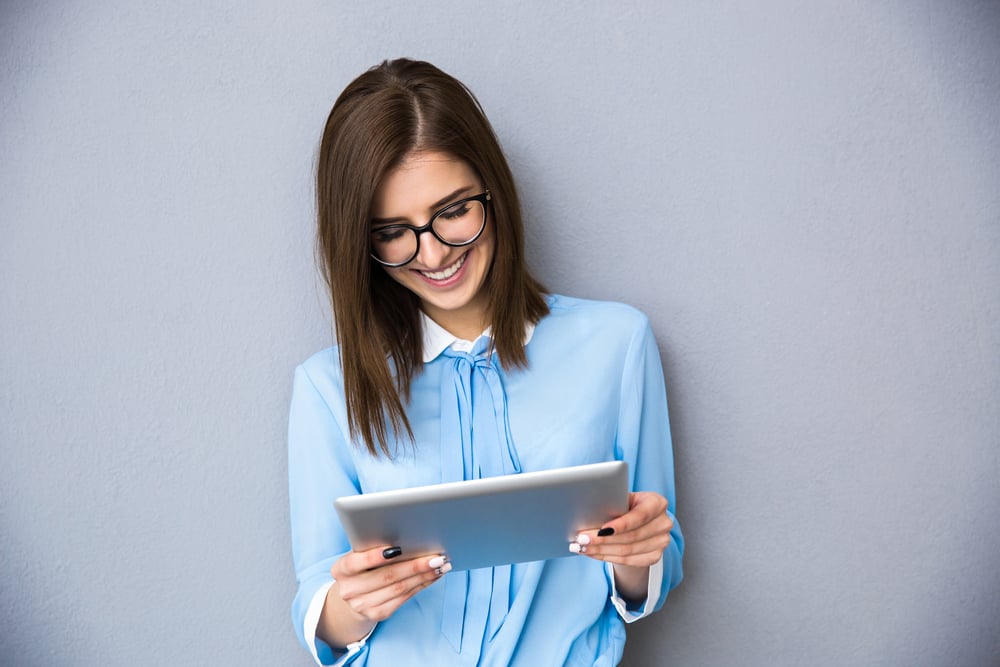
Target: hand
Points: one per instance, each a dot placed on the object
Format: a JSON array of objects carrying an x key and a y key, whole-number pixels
[
  {"x": 369, "y": 586},
  {"x": 631, "y": 543},
  {"x": 636, "y": 538}
]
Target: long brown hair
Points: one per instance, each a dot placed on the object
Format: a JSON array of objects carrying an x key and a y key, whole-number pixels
[{"x": 386, "y": 113}]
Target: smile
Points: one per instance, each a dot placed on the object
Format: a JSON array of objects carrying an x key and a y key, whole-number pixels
[{"x": 448, "y": 271}]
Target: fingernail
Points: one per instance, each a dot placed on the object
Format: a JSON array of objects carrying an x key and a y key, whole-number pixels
[
  {"x": 575, "y": 547},
  {"x": 444, "y": 569},
  {"x": 583, "y": 538},
  {"x": 392, "y": 552},
  {"x": 437, "y": 562},
  {"x": 604, "y": 532}
]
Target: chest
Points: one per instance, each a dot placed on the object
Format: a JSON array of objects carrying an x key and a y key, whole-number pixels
[{"x": 559, "y": 412}]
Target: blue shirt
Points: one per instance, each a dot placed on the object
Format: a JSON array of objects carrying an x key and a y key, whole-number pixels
[{"x": 593, "y": 391}]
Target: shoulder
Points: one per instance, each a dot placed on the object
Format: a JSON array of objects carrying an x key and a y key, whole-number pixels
[
  {"x": 323, "y": 370},
  {"x": 604, "y": 314},
  {"x": 582, "y": 323},
  {"x": 323, "y": 361}
]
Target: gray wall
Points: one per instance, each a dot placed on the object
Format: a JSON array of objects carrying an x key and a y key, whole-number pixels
[{"x": 804, "y": 200}]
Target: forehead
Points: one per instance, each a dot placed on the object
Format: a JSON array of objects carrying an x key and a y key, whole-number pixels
[{"x": 419, "y": 183}]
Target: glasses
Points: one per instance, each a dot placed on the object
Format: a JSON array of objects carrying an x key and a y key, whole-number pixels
[{"x": 455, "y": 225}]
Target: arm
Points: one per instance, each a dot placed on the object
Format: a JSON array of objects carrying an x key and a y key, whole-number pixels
[
  {"x": 647, "y": 536},
  {"x": 342, "y": 594},
  {"x": 320, "y": 470}
]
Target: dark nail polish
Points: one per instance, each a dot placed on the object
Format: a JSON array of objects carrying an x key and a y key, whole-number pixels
[
  {"x": 392, "y": 552},
  {"x": 604, "y": 532}
]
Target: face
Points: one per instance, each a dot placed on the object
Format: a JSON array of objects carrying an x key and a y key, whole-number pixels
[{"x": 448, "y": 281}]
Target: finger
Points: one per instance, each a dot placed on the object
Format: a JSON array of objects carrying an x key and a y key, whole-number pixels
[
  {"x": 381, "y": 611},
  {"x": 392, "y": 577},
  {"x": 401, "y": 589},
  {"x": 659, "y": 523},
  {"x": 643, "y": 509},
  {"x": 644, "y": 506},
  {"x": 651, "y": 538},
  {"x": 645, "y": 552},
  {"x": 377, "y": 593},
  {"x": 654, "y": 542},
  {"x": 356, "y": 562}
]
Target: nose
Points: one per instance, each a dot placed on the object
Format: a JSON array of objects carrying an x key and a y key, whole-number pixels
[{"x": 432, "y": 252}]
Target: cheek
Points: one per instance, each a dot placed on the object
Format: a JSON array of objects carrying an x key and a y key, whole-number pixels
[
  {"x": 398, "y": 274},
  {"x": 488, "y": 243}
]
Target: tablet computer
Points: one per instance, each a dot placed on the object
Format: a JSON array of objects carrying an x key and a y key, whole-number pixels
[{"x": 492, "y": 521}]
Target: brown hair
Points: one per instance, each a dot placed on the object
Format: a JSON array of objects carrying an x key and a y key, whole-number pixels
[{"x": 386, "y": 113}]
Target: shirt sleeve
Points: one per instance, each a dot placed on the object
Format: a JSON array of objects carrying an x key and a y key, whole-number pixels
[
  {"x": 643, "y": 439},
  {"x": 652, "y": 593},
  {"x": 320, "y": 470},
  {"x": 322, "y": 652}
]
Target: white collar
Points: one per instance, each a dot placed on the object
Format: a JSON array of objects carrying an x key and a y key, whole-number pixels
[{"x": 436, "y": 339}]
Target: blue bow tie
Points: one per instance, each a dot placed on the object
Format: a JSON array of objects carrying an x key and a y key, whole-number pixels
[{"x": 475, "y": 442}]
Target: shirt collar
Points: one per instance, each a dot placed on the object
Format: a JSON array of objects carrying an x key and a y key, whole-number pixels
[{"x": 436, "y": 339}]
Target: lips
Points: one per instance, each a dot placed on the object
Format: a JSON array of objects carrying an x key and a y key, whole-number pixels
[{"x": 446, "y": 272}]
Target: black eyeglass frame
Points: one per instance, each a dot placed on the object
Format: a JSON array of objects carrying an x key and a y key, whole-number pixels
[{"x": 485, "y": 199}]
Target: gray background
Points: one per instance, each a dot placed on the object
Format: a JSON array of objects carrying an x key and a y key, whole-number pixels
[{"x": 804, "y": 199}]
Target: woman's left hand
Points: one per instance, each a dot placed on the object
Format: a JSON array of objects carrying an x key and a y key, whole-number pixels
[
  {"x": 636, "y": 538},
  {"x": 631, "y": 543}
]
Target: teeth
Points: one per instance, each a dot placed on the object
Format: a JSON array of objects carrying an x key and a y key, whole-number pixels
[{"x": 447, "y": 272}]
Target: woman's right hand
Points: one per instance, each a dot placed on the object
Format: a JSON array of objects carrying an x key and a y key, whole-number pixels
[{"x": 369, "y": 586}]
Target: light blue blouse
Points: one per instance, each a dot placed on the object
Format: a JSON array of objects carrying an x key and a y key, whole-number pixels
[{"x": 593, "y": 391}]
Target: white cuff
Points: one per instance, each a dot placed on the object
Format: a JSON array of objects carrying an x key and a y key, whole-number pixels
[
  {"x": 652, "y": 593},
  {"x": 311, "y": 622}
]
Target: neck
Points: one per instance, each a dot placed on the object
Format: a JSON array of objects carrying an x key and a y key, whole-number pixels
[{"x": 466, "y": 324}]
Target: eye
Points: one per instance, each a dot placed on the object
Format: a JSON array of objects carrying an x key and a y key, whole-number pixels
[
  {"x": 456, "y": 211},
  {"x": 387, "y": 234}
]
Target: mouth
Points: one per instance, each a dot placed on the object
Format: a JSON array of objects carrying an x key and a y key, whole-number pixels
[{"x": 446, "y": 272}]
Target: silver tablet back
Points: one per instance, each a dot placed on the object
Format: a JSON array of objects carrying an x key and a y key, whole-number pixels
[{"x": 492, "y": 521}]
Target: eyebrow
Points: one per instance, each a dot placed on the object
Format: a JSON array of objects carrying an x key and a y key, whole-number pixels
[{"x": 433, "y": 207}]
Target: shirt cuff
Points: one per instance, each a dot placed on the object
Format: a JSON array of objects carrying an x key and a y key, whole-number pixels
[
  {"x": 652, "y": 593},
  {"x": 323, "y": 653}
]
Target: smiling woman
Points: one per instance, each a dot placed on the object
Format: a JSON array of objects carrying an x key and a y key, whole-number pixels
[
  {"x": 447, "y": 276},
  {"x": 449, "y": 360}
]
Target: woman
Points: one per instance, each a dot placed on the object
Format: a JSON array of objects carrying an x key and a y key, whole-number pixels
[{"x": 453, "y": 364}]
